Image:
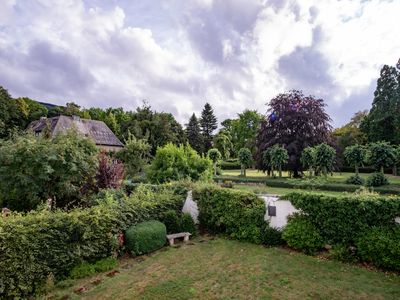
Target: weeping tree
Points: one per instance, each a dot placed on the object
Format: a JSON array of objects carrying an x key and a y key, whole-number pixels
[
  {"x": 295, "y": 121},
  {"x": 245, "y": 159},
  {"x": 279, "y": 157},
  {"x": 355, "y": 156},
  {"x": 324, "y": 158},
  {"x": 307, "y": 159},
  {"x": 381, "y": 155},
  {"x": 215, "y": 156}
]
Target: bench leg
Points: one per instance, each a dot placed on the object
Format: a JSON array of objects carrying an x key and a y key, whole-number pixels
[
  {"x": 171, "y": 242},
  {"x": 186, "y": 238}
]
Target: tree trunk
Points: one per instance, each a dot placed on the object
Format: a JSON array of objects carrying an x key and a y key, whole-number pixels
[
  {"x": 280, "y": 171},
  {"x": 382, "y": 170},
  {"x": 395, "y": 170},
  {"x": 357, "y": 171},
  {"x": 244, "y": 171},
  {"x": 215, "y": 169}
]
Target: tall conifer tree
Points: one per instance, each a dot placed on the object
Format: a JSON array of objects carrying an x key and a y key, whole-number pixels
[
  {"x": 193, "y": 133},
  {"x": 208, "y": 124}
]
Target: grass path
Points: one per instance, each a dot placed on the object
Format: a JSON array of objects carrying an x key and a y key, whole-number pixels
[{"x": 222, "y": 269}]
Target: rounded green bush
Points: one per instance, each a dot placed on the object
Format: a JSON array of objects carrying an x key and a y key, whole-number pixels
[
  {"x": 272, "y": 236},
  {"x": 355, "y": 179},
  {"x": 377, "y": 179},
  {"x": 145, "y": 237},
  {"x": 381, "y": 246},
  {"x": 301, "y": 234}
]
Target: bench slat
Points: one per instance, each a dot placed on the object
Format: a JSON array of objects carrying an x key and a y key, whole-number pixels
[{"x": 178, "y": 235}]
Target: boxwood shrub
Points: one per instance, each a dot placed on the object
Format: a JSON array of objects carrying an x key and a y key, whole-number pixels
[
  {"x": 238, "y": 214},
  {"x": 40, "y": 244},
  {"x": 301, "y": 234},
  {"x": 145, "y": 237},
  {"x": 381, "y": 247}
]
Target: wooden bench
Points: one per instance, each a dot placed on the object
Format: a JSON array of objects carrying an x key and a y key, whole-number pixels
[{"x": 171, "y": 237}]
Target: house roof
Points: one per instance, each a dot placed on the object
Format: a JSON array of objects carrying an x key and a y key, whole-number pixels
[{"x": 98, "y": 131}]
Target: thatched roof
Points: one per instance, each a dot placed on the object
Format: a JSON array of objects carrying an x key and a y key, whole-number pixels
[{"x": 98, "y": 131}]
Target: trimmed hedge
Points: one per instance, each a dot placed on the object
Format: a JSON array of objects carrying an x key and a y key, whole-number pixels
[
  {"x": 238, "y": 214},
  {"x": 145, "y": 237},
  {"x": 342, "y": 219},
  {"x": 40, "y": 244},
  {"x": 307, "y": 185},
  {"x": 381, "y": 246},
  {"x": 230, "y": 165},
  {"x": 301, "y": 234}
]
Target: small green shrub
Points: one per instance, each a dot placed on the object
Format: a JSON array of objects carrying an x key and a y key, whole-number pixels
[
  {"x": 355, "y": 179},
  {"x": 172, "y": 221},
  {"x": 377, "y": 179},
  {"x": 187, "y": 224},
  {"x": 301, "y": 234},
  {"x": 86, "y": 269},
  {"x": 343, "y": 253},
  {"x": 381, "y": 247},
  {"x": 145, "y": 237},
  {"x": 83, "y": 270},
  {"x": 227, "y": 184},
  {"x": 272, "y": 236}
]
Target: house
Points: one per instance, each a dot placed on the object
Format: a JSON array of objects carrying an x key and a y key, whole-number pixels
[{"x": 98, "y": 131}]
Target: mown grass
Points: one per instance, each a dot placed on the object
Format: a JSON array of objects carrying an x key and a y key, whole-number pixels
[
  {"x": 224, "y": 269},
  {"x": 335, "y": 178}
]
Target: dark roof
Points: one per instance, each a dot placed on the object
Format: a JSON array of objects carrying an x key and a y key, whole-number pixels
[{"x": 98, "y": 131}]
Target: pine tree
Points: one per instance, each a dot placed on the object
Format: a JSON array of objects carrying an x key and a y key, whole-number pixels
[
  {"x": 208, "y": 124},
  {"x": 383, "y": 122},
  {"x": 193, "y": 133}
]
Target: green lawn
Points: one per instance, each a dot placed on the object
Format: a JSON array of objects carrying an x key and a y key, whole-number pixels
[
  {"x": 222, "y": 269},
  {"x": 337, "y": 177},
  {"x": 262, "y": 189}
]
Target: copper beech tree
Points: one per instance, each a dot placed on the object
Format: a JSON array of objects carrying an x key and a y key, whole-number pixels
[{"x": 294, "y": 121}]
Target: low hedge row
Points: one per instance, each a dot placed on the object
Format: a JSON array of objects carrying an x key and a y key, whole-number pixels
[
  {"x": 230, "y": 165},
  {"x": 37, "y": 245},
  {"x": 307, "y": 185},
  {"x": 365, "y": 222},
  {"x": 235, "y": 213}
]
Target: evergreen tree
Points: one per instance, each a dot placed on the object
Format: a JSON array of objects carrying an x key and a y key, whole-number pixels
[
  {"x": 383, "y": 121},
  {"x": 208, "y": 123},
  {"x": 193, "y": 133}
]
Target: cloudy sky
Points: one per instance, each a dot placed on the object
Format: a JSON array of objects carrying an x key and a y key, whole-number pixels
[{"x": 179, "y": 54}]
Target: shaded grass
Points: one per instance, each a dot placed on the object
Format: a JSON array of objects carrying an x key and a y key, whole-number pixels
[{"x": 224, "y": 269}]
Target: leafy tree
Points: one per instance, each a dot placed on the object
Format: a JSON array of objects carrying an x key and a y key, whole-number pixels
[
  {"x": 179, "y": 162},
  {"x": 381, "y": 155},
  {"x": 208, "y": 123},
  {"x": 296, "y": 122},
  {"x": 135, "y": 155},
  {"x": 383, "y": 123},
  {"x": 355, "y": 156},
  {"x": 245, "y": 159},
  {"x": 222, "y": 142},
  {"x": 35, "y": 169},
  {"x": 110, "y": 172},
  {"x": 397, "y": 159},
  {"x": 215, "y": 157},
  {"x": 193, "y": 133},
  {"x": 267, "y": 160},
  {"x": 324, "y": 158},
  {"x": 308, "y": 159},
  {"x": 9, "y": 118},
  {"x": 244, "y": 130},
  {"x": 278, "y": 157}
]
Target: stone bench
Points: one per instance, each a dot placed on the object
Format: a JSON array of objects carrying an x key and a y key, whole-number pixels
[{"x": 171, "y": 237}]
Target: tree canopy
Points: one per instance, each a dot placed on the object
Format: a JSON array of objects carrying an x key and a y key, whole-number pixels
[
  {"x": 208, "y": 123},
  {"x": 193, "y": 133},
  {"x": 296, "y": 122}
]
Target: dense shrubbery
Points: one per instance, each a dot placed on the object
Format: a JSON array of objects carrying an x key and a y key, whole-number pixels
[
  {"x": 341, "y": 219},
  {"x": 86, "y": 269},
  {"x": 231, "y": 164},
  {"x": 235, "y": 213},
  {"x": 381, "y": 246},
  {"x": 145, "y": 237},
  {"x": 377, "y": 179},
  {"x": 179, "y": 222},
  {"x": 365, "y": 220},
  {"x": 301, "y": 234},
  {"x": 38, "y": 244},
  {"x": 355, "y": 179},
  {"x": 272, "y": 236},
  {"x": 179, "y": 162},
  {"x": 34, "y": 169}
]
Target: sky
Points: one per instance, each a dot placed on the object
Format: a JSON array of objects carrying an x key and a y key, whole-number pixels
[{"x": 179, "y": 54}]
